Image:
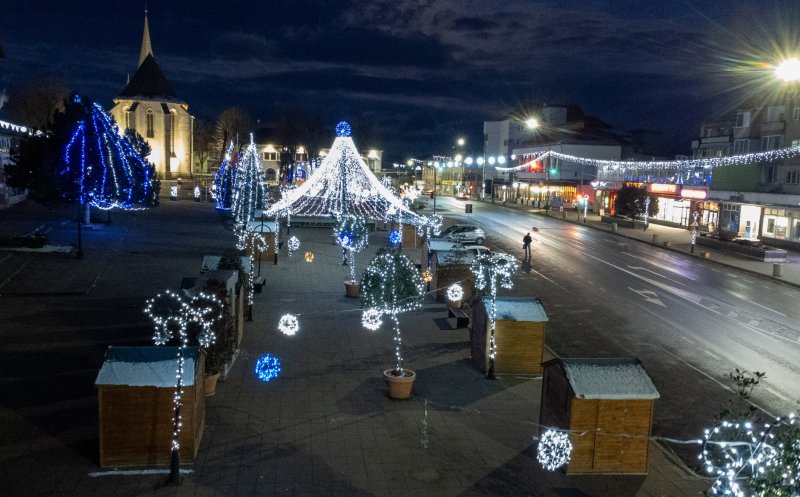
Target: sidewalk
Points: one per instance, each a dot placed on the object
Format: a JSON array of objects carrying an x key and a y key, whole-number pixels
[{"x": 679, "y": 240}]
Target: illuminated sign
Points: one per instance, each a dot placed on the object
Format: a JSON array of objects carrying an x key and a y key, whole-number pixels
[
  {"x": 663, "y": 188},
  {"x": 695, "y": 194}
]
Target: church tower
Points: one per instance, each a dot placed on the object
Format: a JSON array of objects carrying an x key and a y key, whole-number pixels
[{"x": 149, "y": 105}]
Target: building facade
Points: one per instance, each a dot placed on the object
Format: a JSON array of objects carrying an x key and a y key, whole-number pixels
[{"x": 148, "y": 104}]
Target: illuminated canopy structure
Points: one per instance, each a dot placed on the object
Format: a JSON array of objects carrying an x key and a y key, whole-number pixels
[{"x": 344, "y": 185}]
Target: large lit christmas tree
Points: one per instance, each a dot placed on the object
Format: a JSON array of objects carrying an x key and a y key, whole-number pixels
[
  {"x": 225, "y": 181},
  {"x": 99, "y": 167},
  {"x": 250, "y": 196}
]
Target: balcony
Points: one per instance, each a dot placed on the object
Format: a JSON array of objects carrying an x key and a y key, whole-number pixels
[{"x": 769, "y": 128}]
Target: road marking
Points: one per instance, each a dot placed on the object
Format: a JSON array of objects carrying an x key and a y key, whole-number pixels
[
  {"x": 686, "y": 339},
  {"x": 657, "y": 274},
  {"x": 649, "y": 296},
  {"x": 765, "y": 286},
  {"x": 715, "y": 356},
  {"x": 749, "y": 281},
  {"x": 777, "y": 394},
  {"x": 732, "y": 275},
  {"x": 767, "y": 308},
  {"x": 716, "y": 270}
]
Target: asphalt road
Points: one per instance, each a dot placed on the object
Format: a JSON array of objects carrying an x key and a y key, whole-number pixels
[{"x": 691, "y": 322}]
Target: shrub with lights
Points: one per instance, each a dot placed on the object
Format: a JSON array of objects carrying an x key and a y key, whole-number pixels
[
  {"x": 353, "y": 236},
  {"x": 392, "y": 285}
]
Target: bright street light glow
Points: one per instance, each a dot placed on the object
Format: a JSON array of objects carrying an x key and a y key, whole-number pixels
[
  {"x": 531, "y": 123},
  {"x": 480, "y": 161},
  {"x": 468, "y": 161},
  {"x": 501, "y": 160},
  {"x": 491, "y": 160},
  {"x": 460, "y": 142},
  {"x": 458, "y": 157},
  {"x": 410, "y": 162},
  {"x": 789, "y": 70}
]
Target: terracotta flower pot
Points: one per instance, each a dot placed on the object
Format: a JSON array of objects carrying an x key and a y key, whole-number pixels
[
  {"x": 351, "y": 289},
  {"x": 210, "y": 383},
  {"x": 400, "y": 387}
]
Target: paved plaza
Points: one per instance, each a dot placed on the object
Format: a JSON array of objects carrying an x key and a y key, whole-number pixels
[{"x": 324, "y": 427}]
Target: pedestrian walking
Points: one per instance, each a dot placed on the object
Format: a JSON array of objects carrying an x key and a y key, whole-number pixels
[{"x": 526, "y": 245}]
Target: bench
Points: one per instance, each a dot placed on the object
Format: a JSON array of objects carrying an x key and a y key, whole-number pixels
[
  {"x": 462, "y": 318},
  {"x": 258, "y": 284}
]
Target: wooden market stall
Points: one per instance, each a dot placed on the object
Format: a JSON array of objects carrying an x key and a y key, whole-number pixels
[
  {"x": 265, "y": 229},
  {"x": 520, "y": 326},
  {"x": 135, "y": 390},
  {"x": 607, "y": 404},
  {"x": 445, "y": 272}
]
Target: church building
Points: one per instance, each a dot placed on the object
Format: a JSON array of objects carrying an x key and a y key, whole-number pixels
[{"x": 149, "y": 105}]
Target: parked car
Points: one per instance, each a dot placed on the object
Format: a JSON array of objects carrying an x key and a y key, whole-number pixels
[
  {"x": 462, "y": 196},
  {"x": 467, "y": 234},
  {"x": 473, "y": 251}
]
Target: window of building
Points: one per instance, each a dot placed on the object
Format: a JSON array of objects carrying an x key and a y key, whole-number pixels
[
  {"x": 173, "y": 123},
  {"x": 770, "y": 174},
  {"x": 273, "y": 156},
  {"x": 129, "y": 119},
  {"x": 793, "y": 177},
  {"x": 770, "y": 142},
  {"x": 149, "y": 124},
  {"x": 741, "y": 147},
  {"x": 795, "y": 143},
  {"x": 775, "y": 113},
  {"x": 796, "y": 113},
  {"x": 743, "y": 119}
]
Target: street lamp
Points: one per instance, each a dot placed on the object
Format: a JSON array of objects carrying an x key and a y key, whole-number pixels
[
  {"x": 789, "y": 70},
  {"x": 532, "y": 123}
]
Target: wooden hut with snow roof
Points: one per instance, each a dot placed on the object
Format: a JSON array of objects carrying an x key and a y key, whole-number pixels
[
  {"x": 607, "y": 406},
  {"x": 135, "y": 391},
  {"x": 520, "y": 325}
]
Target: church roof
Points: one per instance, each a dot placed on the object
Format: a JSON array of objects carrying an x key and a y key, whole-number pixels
[
  {"x": 2, "y": 51},
  {"x": 149, "y": 82}
]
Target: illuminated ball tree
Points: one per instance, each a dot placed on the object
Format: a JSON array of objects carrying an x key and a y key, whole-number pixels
[{"x": 392, "y": 285}]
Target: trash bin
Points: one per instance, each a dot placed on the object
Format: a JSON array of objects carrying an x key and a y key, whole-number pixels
[
  {"x": 614, "y": 227},
  {"x": 777, "y": 269},
  {"x": 655, "y": 239}
]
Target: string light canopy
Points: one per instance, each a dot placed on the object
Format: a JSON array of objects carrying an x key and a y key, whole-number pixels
[
  {"x": 100, "y": 167},
  {"x": 343, "y": 184}
]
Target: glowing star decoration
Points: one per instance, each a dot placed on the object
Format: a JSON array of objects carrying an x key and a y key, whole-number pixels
[
  {"x": 455, "y": 292},
  {"x": 288, "y": 324},
  {"x": 764, "y": 457},
  {"x": 268, "y": 367},
  {"x": 427, "y": 276},
  {"x": 394, "y": 237},
  {"x": 344, "y": 185},
  {"x": 488, "y": 270},
  {"x": 309, "y": 256},
  {"x": 371, "y": 319},
  {"x": 343, "y": 129},
  {"x": 175, "y": 317},
  {"x": 100, "y": 167},
  {"x": 554, "y": 449},
  {"x": 293, "y": 244}
]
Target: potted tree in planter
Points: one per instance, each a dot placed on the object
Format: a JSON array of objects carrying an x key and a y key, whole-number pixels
[
  {"x": 352, "y": 234},
  {"x": 220, "y": 353},
  {"x": 392, "y": 285}
]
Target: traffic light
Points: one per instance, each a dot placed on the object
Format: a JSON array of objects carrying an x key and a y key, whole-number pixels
[
  {"x": 535, "y": 166},
  {"x": 553, "y": 169}
]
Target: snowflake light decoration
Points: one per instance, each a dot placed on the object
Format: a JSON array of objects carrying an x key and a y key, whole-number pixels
[
  {"x": 309, "y": 256},
  {"x": 371, "y": 319},
  {"x": 455, "y": 292},
  {"x": 293, "y": 243},
  {"x": 343, "y": 129},
  {"x": 427, "y": 276},
  {"x": 267, "y": 367},
  {"x": 394, "y": 237},
  {"x": 288, "y": 324},
  {"x": 554, "y": 449}
]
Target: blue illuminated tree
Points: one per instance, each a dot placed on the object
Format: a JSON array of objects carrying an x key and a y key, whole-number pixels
[
  {"x": 224, "y": 182},
  {"x": 101, "y": 168}
]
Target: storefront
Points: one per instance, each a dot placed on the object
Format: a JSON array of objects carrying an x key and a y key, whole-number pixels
[
  {"x": 605, "y": 195},
  {"x": 743, "y": 220},
  {"x": 677, "y": 205},
  {"x": 781, "y": 223}
]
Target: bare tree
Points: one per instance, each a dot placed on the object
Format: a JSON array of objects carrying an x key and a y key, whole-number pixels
[
  {"x": 203, "y": 144},
  {"x": 314, "y": 134},
  {"x": 232, "y": 124},
  {"x": 36, "y": 102},
  {"x": 288, "y": 129}
]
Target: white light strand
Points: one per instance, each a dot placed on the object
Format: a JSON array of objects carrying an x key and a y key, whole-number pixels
[
  {"x": 554, "y": 449},
  {"x": 249, "y": 195},
  {"x": 371, "y": 319},
  {"x": 488, "y": 270}
]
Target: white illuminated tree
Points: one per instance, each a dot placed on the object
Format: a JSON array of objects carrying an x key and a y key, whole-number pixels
[{"x": 249, "y": 196}]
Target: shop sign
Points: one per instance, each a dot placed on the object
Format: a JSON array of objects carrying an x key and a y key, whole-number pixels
[
  {"x": 607, "y": 185},
  {"x": 663, "y": 188},
  {"x": 694, "y": 193}
]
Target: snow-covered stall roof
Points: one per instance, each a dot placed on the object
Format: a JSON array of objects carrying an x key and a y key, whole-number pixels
[
  {"x": 517, "y": 308},
  {"x": 146, "y": 366},
  {"x": 620, "y": 379},
  {"x": 344, "y": 184}
]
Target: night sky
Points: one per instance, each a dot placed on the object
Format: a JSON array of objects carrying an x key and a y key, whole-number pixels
[{"x": 419, "y": 72}]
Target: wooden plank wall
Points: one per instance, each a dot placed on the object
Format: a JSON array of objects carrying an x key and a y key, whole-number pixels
[
  {"x": 519, "y": 347},
  {"x": 267, "y": 255}
]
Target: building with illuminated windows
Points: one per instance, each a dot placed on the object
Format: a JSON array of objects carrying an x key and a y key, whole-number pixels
[{"x": 149, "y": 105}]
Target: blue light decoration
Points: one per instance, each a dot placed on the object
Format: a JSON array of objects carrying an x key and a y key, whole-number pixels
[
  {"x": 267, "y": 367},
  {"x": 224, "y": 181},
  {"x": 102, "y": 168},
  {"x": 344, "y": 240},
  {"x": 394, "y": 237},
  {"x": 343, "y": 129}
]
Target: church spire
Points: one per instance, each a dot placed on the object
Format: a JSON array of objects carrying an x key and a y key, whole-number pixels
[{"x": 146, "y": 48}]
